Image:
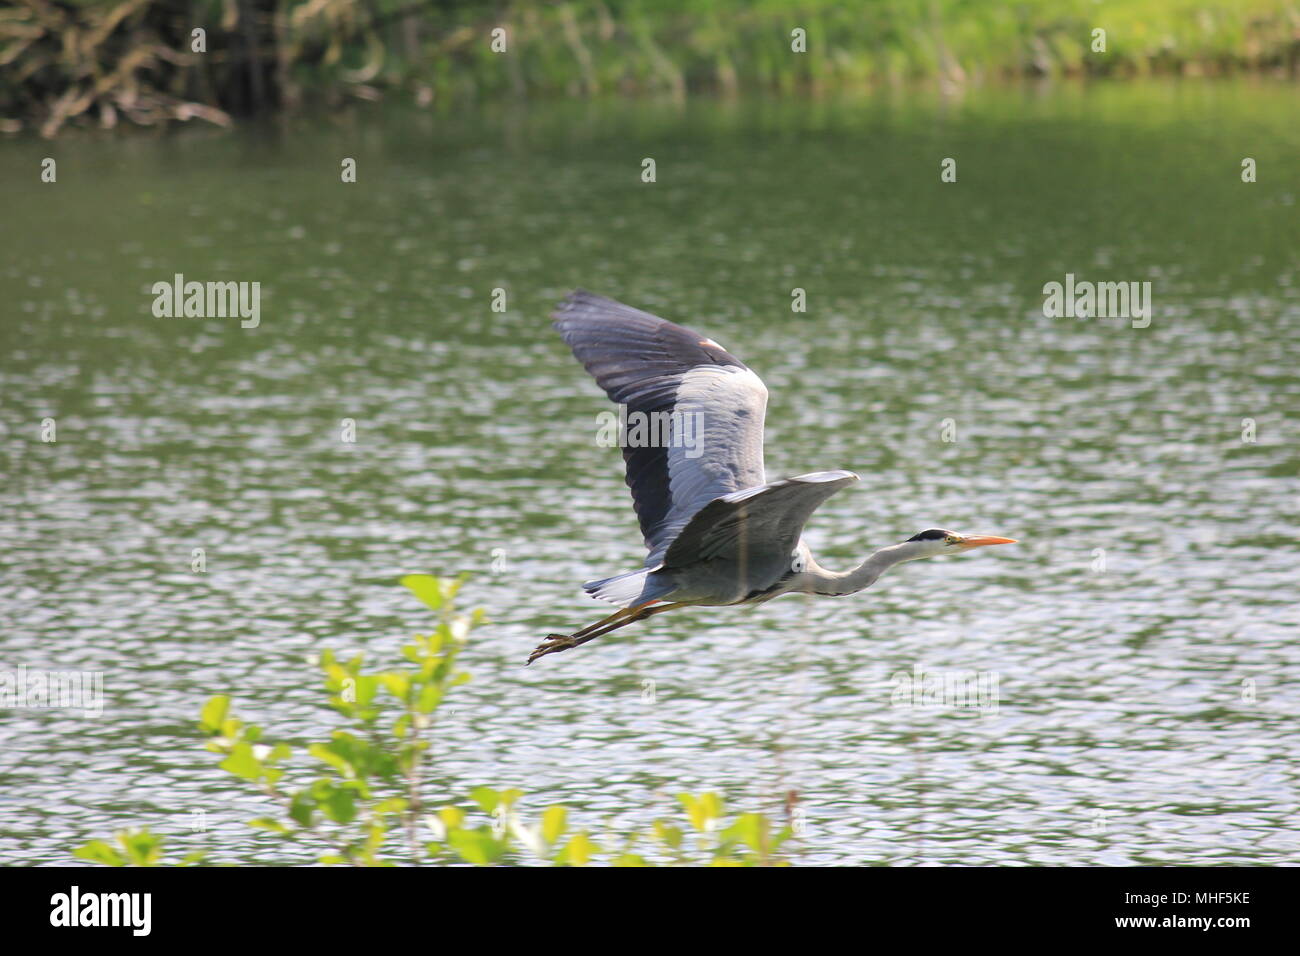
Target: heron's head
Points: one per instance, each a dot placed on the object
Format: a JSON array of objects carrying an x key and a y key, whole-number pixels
[{"x": 936, "y": 541}]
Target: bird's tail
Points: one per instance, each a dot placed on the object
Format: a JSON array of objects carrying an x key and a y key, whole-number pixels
[{"x": 633, "y": 587}]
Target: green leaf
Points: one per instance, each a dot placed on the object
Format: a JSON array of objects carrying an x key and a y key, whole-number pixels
[
  {"x": 486, "y": 798},
  {"x": 554, "y": 820},
  {"x": 425, "y": 587},
  {"x": 430, "y": 698},
  {"x": 391, "y": 805},
  {"x": 703, "y": 810},
  {"x": 213, "y": 714},
  {"x": 749, "y": 829},
  {"x": 242, "y": 763},
  {"x": 302, "y": 807},
  {"x": 142, "y": 847},
  {"x": 97, "y": 851},
  {"x": 669, "y": 835},
  {"x": 367, "y": 687},
  {"x": 329, "y": 754},
  {"x": 476, "y": 846},
  {"x": 266, "y": 823},
  {"x": 578, "y": 851},
  {"x": 452, "y": 817},
  {"x": 337, "y": 803},
  {"x": 399, "y": 685},
  {"x": 785, "y": 834}
]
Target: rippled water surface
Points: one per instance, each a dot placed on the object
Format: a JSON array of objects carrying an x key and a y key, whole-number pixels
[{"x": 1143, "y": 636}]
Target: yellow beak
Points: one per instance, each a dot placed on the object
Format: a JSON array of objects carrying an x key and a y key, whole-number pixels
[{"x": 982, "y": 540}]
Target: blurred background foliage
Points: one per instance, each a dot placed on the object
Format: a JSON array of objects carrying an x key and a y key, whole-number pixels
[
  {"x": 102, "y": 61},
  {"x": 366, "y": 802}
]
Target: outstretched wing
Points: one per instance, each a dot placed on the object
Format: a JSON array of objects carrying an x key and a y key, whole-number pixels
[
  {"x": 713, "y": 403},
  {"x": 748, "y": 526}
]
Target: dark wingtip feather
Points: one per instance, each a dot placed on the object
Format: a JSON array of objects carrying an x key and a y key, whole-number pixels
[
  {"x": 640, "y": 360},
  {"x": 579, "y": 297}
]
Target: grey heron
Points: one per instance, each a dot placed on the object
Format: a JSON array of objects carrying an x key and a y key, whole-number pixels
[{"x": 717, "y": 531}]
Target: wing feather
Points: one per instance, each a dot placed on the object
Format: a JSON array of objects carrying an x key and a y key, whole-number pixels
[
  {"x": 716, "y": 404},
  {"x": 758, "y": 522}
]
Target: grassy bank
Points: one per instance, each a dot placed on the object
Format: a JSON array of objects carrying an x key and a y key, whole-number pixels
[{"x": 101, "y": 61}]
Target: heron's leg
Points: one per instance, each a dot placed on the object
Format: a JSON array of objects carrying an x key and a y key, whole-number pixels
[
  {"x": 616, "y": 616},
  {"x": 555, "y": 643},
  {"x": 639, "y": 614},
  {"x": 562, "y": 642}
]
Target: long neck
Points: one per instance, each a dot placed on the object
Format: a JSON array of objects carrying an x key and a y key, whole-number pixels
[{"x": 863, "y": 576}]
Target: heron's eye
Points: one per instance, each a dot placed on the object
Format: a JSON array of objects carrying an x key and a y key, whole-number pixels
[{"x": 797, "y": 563}]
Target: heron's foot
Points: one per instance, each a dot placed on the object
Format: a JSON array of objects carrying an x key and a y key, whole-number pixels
[{"x": 553, "y": 644}]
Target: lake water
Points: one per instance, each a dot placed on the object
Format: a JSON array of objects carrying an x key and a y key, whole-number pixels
[{"x": 1142, "y": 636}]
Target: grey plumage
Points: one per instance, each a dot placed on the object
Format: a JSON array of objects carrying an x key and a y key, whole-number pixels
[
  {"x": 716, "y": 531},
  {"x": 655, "y": 367},
  {"x": 714, "y": 515}
]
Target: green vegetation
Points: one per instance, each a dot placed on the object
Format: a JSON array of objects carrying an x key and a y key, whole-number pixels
[
  {"x": 366, "y": 804},
  {"x": 99, "y": 60}
]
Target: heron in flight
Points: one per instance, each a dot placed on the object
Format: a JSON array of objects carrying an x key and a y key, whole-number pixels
[{"x": 718, "y": 532}]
